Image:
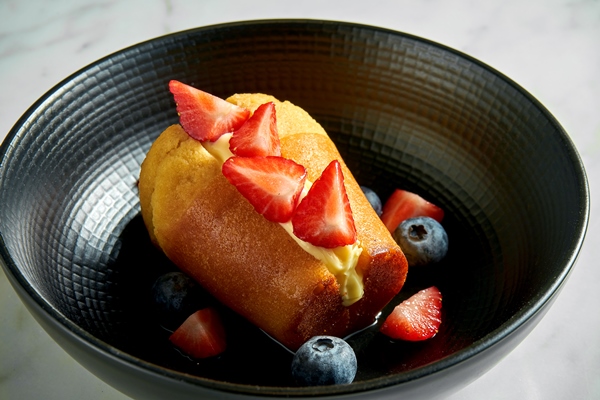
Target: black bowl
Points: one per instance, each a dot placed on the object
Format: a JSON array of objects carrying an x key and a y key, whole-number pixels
[{"x": 404, "y": 112}]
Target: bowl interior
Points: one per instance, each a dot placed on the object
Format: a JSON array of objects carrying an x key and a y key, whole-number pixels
[{"x": 404, "y": 113}]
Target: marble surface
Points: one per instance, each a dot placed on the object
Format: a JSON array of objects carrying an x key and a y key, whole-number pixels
[{"x": 550, "y": 47}]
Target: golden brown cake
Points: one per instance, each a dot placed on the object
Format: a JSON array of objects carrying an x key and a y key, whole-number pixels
[{"x": 254, "y": 266}]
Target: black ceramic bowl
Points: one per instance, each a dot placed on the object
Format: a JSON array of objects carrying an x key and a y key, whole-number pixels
[{"x": 404, "y": 112}]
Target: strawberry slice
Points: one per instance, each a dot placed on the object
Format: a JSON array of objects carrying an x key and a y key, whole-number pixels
[
  {"x": 271, "y": 184},
  {"x": 258, "y": 136},
  {"x": 202, "y": 335},
  {"x": 416, "y": 318},
  {"x": 403, "y": 205},
  {"x": 204, "y": 116},
  {"x": 324, "y": 217}
]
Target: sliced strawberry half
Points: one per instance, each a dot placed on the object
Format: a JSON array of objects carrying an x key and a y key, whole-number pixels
[
  {"x": 202, "y": 335},
  {"x": 416, "y": 318},
  {"x": 204, "y": 116},
  {"x": 271, "y": 184},
  {"x": 258, "y": 136},
  {"x": 324, "y": 217},
  {"x": 403, "y": 205}
]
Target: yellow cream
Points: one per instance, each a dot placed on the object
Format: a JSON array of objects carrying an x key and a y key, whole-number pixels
[
  {"x": 340, "y": 261},
  {"x": 219, "y": 149}
]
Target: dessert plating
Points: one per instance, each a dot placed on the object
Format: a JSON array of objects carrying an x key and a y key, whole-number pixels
[{"x": 251, "y": 264}]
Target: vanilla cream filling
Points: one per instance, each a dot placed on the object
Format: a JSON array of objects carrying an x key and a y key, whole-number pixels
[{"x": 340, "y": 261}]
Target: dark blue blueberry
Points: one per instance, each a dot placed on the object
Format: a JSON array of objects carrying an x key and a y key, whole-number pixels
[
  {"x": 176, "y": 296},
  {"x": 324, "y": 360},
  {"x": 373, "y": 199},
  {"x": 423, "y": 240}
]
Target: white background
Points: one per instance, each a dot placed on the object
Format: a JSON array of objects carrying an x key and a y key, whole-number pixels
[{"x": 550, "y": 47}]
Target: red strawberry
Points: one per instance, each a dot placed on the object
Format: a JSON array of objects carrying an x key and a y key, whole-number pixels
[
  {"x": 324, "y": 217},
  {"x": 403, "y": 205},
  {"x": 271, "y": 184},
  {"x": 416, "y": 318},
  {"x": 204, "y": 116},
  {"x": 258, "y": 136},
  {"x": 202, "y": 335}
]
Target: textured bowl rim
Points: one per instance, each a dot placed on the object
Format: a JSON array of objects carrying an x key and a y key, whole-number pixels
[{"x": 479, "y": 346}]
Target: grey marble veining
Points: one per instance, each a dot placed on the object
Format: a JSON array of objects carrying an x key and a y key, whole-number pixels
[{"x": 551, "y": 48}]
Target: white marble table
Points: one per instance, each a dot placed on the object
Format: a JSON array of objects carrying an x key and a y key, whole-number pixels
[{"x": 552, "y": 48}]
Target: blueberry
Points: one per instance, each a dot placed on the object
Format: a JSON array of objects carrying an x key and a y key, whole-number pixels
[
  {"x": 176, "y": 296},
  {"x": 423, "y": 240},
  {"x": 324, "y": 360},
  {"x": 373, "y": 199}
]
